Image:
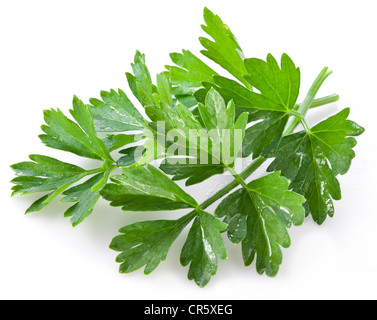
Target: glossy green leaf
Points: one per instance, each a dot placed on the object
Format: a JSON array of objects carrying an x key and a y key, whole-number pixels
[
  {"x": 223, "y": 134},
  {"x": 229, "y": 90},
  {"x": 158, "y": 145},
  {"x": 203, "y": 247},
  {"x": 146, "y": 189},
  {"x": 79, "y": 138},
  {"x": 85, "y": 198},
  {"x": 130, "y": 156},
  {"x": 44, "y": 174},
  {"x": 264, "y": 136},
  {"x": 313, "y": 159},
  {"x": 177, "y": 123},
  {"x": 215, "y": 114},
  {"x": 164, "y": 89},
  {"x": 115, "y": 113},
  {"x": 219, "y": 120},
  {"x": 146, "y": 243},
  {"x": 47, "y": 174},
  {"x": 260, "y": 138},
  {"x": 187, "y": 76},
  {"x": 224, "y": 49},
  {"x": 279, "y": 86},
  {"x": 188, "y": 101},
  {"x": 117, "y": 141},
  {"x": 177, "y": 117},
  {"x": 259, "y": 216},
  {"x": 140, "y": 82},
  {"x": 194, "y": 173}
]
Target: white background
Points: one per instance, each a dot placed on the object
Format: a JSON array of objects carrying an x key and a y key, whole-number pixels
[{"x": 50, "y": 50}]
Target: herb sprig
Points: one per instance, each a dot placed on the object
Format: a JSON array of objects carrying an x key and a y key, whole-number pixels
[{"x": 258, "y": 111}]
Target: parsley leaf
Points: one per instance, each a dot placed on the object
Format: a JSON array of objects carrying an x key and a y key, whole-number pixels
[
  {"x": 222, "y": 133},
  {"x": 279, "y": 86},
  {"x": 259, "y": 216},
  {"x": 116, "y": 141},
  {"x": 164, "y": 89},
  {"x": 79, "y": 138},
  {"x": 229, "y": 90},
  {"x": 264, "y": 136},
  {"x": 144, "y": 189},
  {"x": 130, "y": 156},
  {"x": 279, "y": 89},
  {"x": 141, "y": 82},
  {"x": 46, "y": 174},
  {"x": 271, "y": 107},
  {"x": 86, "y": 196},
  {"x": 176, "y": 117},
  {"x": 215, "y": 114},
  {"x": 313, "y": 159},
  {"x": 204, "y": 245},
  {"x": 219, "y": 120},
  {"x": 225, "y": 49},
  {"x": 187, "y": 78},
  {"x": 194, "y": 173},
  {"x": 146, "y": 243},
  {"x": 115, "y": 113}
]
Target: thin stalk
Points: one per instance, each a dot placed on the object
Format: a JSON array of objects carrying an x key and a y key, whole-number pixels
[
  {"x": 323, "y": 101},
  {"x": 305, "y": 125},
  {"x": 244, "y": 175},
  {"x": 93, "y": 171},
  {"x": 305, "y": 106},
  {"x": 320, "y": 101},
  {"x": 308, "y": 101}
]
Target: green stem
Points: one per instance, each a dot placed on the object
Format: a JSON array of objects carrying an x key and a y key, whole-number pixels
[
  {"x": 323, "y": 101},
  {"x": 320, "y": 101},
  {"x": 305, "y": 125},
  {"x": 309, "y": 99},
  {"x": 244, "y": 175},
  {"x": 305, "y": 106},
  {"x": 89, "y": 172},
  {"x": 239, "y": 179}
]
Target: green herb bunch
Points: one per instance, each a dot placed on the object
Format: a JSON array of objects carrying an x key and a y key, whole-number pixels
[{"x": 259, "y": 105}]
